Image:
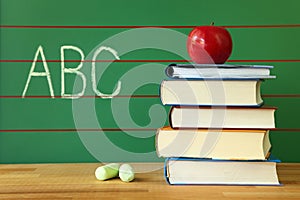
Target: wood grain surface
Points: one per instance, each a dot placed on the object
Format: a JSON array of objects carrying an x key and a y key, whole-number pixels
[{"x": 77, "y": 181}]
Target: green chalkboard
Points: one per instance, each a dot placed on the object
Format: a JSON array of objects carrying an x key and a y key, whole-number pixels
[{"x": 40, "y": 120}]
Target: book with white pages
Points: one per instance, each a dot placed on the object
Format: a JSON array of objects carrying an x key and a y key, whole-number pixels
[
  {"x": 218, "y": 71},
  {"x": 189, "y": 171}
]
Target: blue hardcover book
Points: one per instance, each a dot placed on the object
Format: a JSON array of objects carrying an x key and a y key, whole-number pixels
[
  {"x": 192, "y": 171},
  {"x": 218, "y": 71}
]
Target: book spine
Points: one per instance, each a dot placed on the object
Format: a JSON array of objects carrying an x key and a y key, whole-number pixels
[
  {"x": 169, "y": 71},
  {"x": 166, "y": 173},
  {"x": 170, "y": 117},
  {"x": 156, "y": 142},
  {"x": 161, "y": 92}
]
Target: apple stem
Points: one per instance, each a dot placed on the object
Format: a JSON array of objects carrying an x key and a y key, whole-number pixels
[{"x": 212, "y": 23}]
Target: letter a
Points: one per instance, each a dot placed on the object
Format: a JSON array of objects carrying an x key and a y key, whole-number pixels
[{"x": 33, "y": 73}]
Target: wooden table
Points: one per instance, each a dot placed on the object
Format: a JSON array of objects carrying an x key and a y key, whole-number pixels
[{"x": 77, "y": 181}]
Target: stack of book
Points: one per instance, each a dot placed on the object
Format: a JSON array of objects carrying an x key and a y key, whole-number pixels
[{"x": 219, "y": 128}]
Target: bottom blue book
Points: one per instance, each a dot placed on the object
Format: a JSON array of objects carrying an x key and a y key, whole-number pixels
[{"x": 182, "y": 171}]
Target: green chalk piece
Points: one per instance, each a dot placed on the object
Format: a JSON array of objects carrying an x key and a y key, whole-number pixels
[
  {"x": 107, "y": 171},
  {"x": 126, "y": 173}
]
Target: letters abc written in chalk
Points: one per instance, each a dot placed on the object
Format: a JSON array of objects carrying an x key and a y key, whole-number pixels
[{"x": 75, "y": 71}]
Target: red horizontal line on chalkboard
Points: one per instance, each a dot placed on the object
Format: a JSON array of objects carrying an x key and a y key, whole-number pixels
[
  {"x": 264, "y": 26},
  {"x": 93, "y": 27},
  {"x": 122, "y": 61},
  {"x": 110, "y": 130},
  {"x": 142, "y": 60},
  {"x": 146, "y": 26},
  {"x": 266, "y": 60},
  {"x": 132, "y": 96},
  {"x": 77, "y": 130},
  {"x": 86, "y": 96}
]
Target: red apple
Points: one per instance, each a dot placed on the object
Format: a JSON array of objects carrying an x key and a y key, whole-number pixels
[{"x": 209, "y": 44}]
